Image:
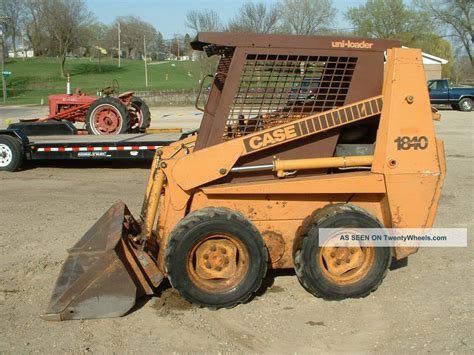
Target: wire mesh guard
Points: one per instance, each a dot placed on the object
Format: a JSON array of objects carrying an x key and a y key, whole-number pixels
[{"x": 275, "y": 89}]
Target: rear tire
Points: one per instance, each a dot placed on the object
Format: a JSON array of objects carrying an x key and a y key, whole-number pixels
[
  {"x": 465, "y": 104},
  {"x": 311, "y": 265},
  {"x": 107, "y": 115},
  {"x": 11, "y": 153},
  {"x": 216, "y": 258},
  {"x": 144, "y": 111}
]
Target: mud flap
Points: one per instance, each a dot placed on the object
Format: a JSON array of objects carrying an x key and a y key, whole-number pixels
[{"x": 103, "y": 274}]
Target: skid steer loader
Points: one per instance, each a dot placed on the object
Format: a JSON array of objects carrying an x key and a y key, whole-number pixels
[{"x": 273, "y": 162}]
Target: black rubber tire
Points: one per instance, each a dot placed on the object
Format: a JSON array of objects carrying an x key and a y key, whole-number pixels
[
  {"x": 12, "y": 146},
  {"x": 465, "y": 104},
  {"x": 117, "y": 105},
  {"x": 145, "y": 111},
  {"x": 191, "y": 230},
  {"x": 306, "y": 253}
]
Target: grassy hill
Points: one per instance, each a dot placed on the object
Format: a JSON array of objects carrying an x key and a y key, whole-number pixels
[{"x": 34, "y": 79}]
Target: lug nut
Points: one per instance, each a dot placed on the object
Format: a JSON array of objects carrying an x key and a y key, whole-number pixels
[
  {"x": 226, "y": 260},
  {"x": 213, "y": 248},
  {"x": 218, "y": 268},
  {"x": 353, "y": 251},
  {"x": 208, "y": 264},
  {"x": 224, "y": 251},
  {"x": 348, "y": 261},
  {"x": 338, "y": 262},
  {"x": 333, "y": 254},
  {"x": 205, "y": 256}
]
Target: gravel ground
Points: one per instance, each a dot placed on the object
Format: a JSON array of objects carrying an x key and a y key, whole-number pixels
[{"x": 425, "y": 307}]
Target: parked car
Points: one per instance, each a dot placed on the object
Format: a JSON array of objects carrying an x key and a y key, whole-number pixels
[{"x": 460, "y": 98}]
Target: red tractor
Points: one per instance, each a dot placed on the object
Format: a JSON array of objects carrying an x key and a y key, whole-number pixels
[{"x": 109, "y": 113}]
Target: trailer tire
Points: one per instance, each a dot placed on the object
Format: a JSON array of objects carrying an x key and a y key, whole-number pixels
[
  {"x": 141, "y": 106},
  {"x": 216, "y": 258},
  {"x": 11, "y": 153},
  {"x": 107, "y": 115},
  {"x": 311, "y": 265},
  {"x": 466, "y": 104}
]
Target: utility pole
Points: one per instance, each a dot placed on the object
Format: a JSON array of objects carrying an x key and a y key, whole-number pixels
[
  {"x": 23, "y": 45},
  {"x": 119, "y": 50},
  {"x": 3, "y": 21},
  {"x": 144, "y": 57},
  {"x": 177, "y": 43}
]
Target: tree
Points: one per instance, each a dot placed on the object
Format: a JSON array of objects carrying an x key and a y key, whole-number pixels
[
  {"x": 388, "y": 19},
  {"x": 161, "y": 51},
  {"x": 36, "y": 32},
  {"x": 203, "y": 21},
  {"x": 15, "y": 10},
  {"x": 457, "y": 16},
  {"x": 393, "y": 19},
  {"x": 132, "y": 31},
  {"x": 256, "y": 17},
  {"x": 186, "y": 44},
  {"x": 65, "y": 24},
  {"x": 307, "y": 17}
]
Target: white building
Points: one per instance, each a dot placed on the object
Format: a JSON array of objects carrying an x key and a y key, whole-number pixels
[{"x": 20, "y": 53}]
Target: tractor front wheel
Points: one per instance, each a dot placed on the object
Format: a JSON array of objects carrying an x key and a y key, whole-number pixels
[
  {"x": 216, "y": 258},
  {"x": 107, "y": 115}
]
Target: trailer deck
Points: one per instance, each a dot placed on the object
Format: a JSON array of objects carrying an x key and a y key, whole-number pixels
[{"x": 123, "y": 146}]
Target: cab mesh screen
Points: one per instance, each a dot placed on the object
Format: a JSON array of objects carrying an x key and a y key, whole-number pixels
[{"x": 276, "y": 89}]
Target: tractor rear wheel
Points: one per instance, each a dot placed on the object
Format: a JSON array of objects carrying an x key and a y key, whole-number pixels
[
  {"x": 339, "y": 272},
  {"x": 216, "y": 258},
  {"x": 141, "y": 114},
  {"x": 107, "y": 115}
]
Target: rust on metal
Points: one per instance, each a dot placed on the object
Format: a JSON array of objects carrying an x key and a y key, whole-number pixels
[
  {"x": 218, "y": 263},
  {"x": 346, "y": 265},
  {"x": 275, "y": 244}
]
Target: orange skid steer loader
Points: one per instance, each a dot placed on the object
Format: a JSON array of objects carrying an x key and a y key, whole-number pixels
[{"x": 297, "y": 134}]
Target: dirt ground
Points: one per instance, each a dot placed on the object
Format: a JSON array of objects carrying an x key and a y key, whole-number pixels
[{"x": 425, "y": 307}]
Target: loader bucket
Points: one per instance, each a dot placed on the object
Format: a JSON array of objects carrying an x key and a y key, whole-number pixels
[{"x": 104, "y": 273}]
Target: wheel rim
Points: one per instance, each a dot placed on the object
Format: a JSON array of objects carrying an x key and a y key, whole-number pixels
[
  {"x": 467, "y": 105},
  {"x": 106, "y": 119},
  {"x": 347, "y": 264},
  {"x": 6, "y": 155},
  {"x": 218, "y": 263}
]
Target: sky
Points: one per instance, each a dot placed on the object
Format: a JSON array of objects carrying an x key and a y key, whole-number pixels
[{"x": 169, "y": 16}]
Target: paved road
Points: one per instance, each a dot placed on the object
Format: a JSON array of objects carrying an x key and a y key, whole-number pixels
[{"x": 183, "y": 117}]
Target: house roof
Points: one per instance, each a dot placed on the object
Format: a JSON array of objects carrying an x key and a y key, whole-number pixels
[{"x": 431, "y": 59}]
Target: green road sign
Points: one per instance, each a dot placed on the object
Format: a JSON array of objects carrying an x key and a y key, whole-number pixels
[{"x": 6, "y": 73}]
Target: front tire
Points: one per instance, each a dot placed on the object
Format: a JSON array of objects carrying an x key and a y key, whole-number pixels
[
  {"x": 11, "y": 153},
  {"x": 216, "y": 258},
  {"x": 338, "y": 273},
  {"x": 107, "y": 115},
  {"x": 465, "y": 104}
]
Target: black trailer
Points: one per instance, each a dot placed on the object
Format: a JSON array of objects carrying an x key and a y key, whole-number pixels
[{"x": 60, "y": 140}]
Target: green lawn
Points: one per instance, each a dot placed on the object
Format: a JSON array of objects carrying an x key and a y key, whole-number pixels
[{"x": 34, "y": 79}]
